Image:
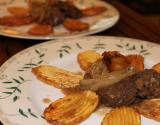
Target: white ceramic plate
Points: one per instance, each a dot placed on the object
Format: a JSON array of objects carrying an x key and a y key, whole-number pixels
[
  {"x": 97, "y": 23},
  {"x": 22, "y": 95}
]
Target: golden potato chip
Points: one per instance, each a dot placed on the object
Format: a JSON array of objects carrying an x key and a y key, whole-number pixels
[
  {"x": 18, "y": 11},
  {"x": 137, "y": 61},
  {"x": 57, "y": 77},
  {"x": 150, "y": 108},
  {"x": 72, "y": 109},
  {"x": 15, "y": 20},
  {"x": 92, "y": 11},
  {"x": 40, "y": 29},
  {"x": 156, "y": 67},
  {"x": 75, "y": 25},
  {"x": 11, "y": 31},
  {"x": 87, "y": 58},
  {"x": 122, "y": 116}
]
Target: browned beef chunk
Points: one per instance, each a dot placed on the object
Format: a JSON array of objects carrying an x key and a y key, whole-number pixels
[
  {"x": 142, "y": 85},
  {"x": 53, "y": 17},
  {"x": 46, "y": 12},
  {"x": 69, "y": 10},
  {"x": 53, "y": 12}
]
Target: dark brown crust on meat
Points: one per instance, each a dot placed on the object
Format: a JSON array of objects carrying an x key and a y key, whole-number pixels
[{"x": 143, "y": 85}]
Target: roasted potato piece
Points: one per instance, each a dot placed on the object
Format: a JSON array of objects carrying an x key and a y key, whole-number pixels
[
  {"x": 75, "y": 25},
  {"x": 156, "y": 67},
  {"x": 136, "y": 61},
  {"x": 122, "y": 116},
  {"x": 40, "y": 29},
  {"x": 115, "y": 61},
  {"x": 18, "y": 11},
  {"x": 150, "y": 108},
  {"x": 87, "y": 58},
  {"x": 72, "y": 109},
  {"x": 118, "y": 63},
  {"x": 92, "y": 11},
  {"x": 57, "y": 77},
  {"x": 15, "y": 20},
  {"x": 11, "y": 31}
]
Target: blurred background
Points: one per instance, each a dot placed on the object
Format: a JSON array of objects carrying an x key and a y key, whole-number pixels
[{"x": 150, "y": 9}]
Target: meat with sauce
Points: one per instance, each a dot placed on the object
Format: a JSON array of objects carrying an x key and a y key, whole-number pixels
[
  {"x": 133, "y": 89},
  {"x": 53, "y": 12}
]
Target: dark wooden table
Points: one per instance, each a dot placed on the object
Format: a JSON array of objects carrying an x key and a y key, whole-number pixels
[{"x": 131, "y": 24}]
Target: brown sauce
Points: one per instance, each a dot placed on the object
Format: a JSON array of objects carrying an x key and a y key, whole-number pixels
[
  {"x": 69, "y": 91},
  {"x": 46, "y": 100}
]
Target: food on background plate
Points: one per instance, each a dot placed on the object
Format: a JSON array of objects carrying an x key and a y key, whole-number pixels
[
  {"x": 11, "y": 31},
  {"x": 18, "y": 11},
  {"x": 87, "y": 58},
  {"x": 122, "y": 116},
  {"x": 57, "y": 77},
  {"x": 116, "y": 80},
  {"x": 52, "y": 13},
  {"x": 92, "y": 11},
  {"x": 40, "y": 29},
  {"x": 75, "y": 25},
  {"x": 15, "y": 21},
  {"x": 72, "y": 109}
]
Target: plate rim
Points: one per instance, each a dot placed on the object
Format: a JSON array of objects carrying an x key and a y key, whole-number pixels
[
  {"x": 60, "y": 40},
  {"x": 115, "y": 18}
]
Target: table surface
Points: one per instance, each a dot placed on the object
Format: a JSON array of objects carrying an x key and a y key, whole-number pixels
[{"x": 131, "y": 24}]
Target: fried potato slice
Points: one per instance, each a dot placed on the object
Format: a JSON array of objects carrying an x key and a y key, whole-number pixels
[
  {"x": 75, "y": 25},
  {"x": 15, "y": 21},
  {"x": 156, "y": 67},
  {"x": 137, "y": 61},
  {"x": 92, "y": 11},
  {"x": 72, "y": 109},
  {"x": 115, "y": 61},
  {"x": 18, "y": 11},
  {"x": 40, "y": 29},
  {"x": 57, "y": 77},
  {"x": 87, "y": 58},
  {"x": 122, "y": 116},
  {"x": 11, "y": 31},
  {"x": 150, "y": 108}
]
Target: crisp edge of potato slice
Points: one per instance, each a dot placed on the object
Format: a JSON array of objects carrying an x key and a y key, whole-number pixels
[
  {"x": 75, "y": 25},
  {"x": 65, "y": 112},
  {"x": 87, "y": 58},
  {"x": 58, "y": 78},
  {"x": 40, "y": 29},
  {"x": 149, "y": 108},
  {"x": 136, "y": 61},
  {"x": 122, "y": 116},
  {"x": 156, "y": 67}
]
